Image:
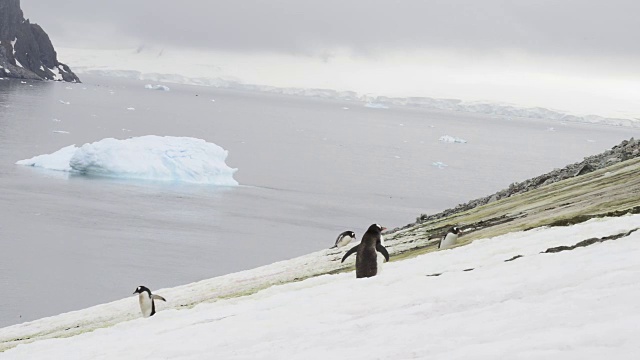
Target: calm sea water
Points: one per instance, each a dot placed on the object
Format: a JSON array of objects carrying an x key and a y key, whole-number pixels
[{"x": 308, "y": 168}]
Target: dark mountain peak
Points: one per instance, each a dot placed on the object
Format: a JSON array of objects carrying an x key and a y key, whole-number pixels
[{"x": 26, "y": 52}]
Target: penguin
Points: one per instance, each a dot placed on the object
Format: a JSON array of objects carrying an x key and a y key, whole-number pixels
[
  {"x": 380, "y": 257},
  {"x": 366, "y": 256},
  {"x": 450, "y": 238},
  {"x": 146, "y": 300},
  {"x": 343, "y": 239}
]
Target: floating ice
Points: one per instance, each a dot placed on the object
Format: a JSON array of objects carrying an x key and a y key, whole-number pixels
[
  {"x": 439, "y": 164},
  {"x": 157, "y": 87},
  {"x": 376, "y": 105},
  {"x": 59, "y": 160},
  {"x": 131, "y": 108},
  {"x": 60, "y": 132},
  {"x": 64, "y": 102},
  {"x": 451, "y": 139},
  {"x": 163, "y": 158}
]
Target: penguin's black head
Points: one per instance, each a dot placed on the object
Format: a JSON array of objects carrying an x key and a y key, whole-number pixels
[
  {"x": 375, "y": 228},
  {"x": 140, "y": 289},
  {"x": 456, "y": 230},
  {"x": 351, "y": 234}
]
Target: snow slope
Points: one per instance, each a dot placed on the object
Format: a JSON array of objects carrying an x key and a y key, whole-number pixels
[
  {"x": 578, "y": 304},
  {"x": 164, "y": 158}
]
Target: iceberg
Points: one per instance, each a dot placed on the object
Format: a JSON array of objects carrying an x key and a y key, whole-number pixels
[
  {"x": 376, "y": 105},
  {"x": 451, "y": 139},
  {"x": 159, "y": 158},
  {"x": 157, "y": 87}
]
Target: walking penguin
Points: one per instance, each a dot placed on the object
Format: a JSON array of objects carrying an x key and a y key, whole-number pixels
[
  {"x": 450, "y": 238},
  {"x": 344, "y": 239},
  {"x": 366, "y": 256},
  {"x": 146, "y": 300}
]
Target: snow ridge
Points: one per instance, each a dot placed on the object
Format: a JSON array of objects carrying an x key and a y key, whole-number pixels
[{"x": 578, "y": 304}]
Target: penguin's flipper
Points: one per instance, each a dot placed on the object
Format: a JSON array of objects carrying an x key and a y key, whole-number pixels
[
  {"x": 333, "y": 247},
  {"x": 158, "y": 297},
  {"x": 351, "y": 251},
  {"x": 382, "y": 250}
]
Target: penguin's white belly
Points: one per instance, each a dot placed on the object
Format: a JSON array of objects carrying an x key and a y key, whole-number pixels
[
  {"x": 344, "y": 241},
  {"x": 380, "y": 258},
  {"x": 449, "y": 241},
  {"x": 146, "y": 305}
]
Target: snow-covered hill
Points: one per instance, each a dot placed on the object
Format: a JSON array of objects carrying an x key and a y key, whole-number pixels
[{"x": 575, "y": 304}]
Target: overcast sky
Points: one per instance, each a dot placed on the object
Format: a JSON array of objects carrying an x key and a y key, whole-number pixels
[
  {"x": 573, "y": 38},
  {"x": 566, "y": 27}
]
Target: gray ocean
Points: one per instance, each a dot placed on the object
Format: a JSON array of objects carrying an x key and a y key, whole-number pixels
[{"x": 309, "y": 169}]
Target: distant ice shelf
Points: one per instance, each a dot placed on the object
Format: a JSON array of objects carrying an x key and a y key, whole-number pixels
[
  {"x": 378, "y": 102},
  {"x": 159, "y": 158}
]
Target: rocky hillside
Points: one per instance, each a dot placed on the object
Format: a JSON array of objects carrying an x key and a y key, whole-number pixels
[
  {"x": 627, "y": 149},
  {"x": 606, "y": 184},
  {"x": 26, "y": 51}
]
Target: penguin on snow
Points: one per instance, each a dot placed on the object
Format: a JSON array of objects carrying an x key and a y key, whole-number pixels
[
  {"x": 146, "y": 300},
  {"x": 366, "y": 252},
  {"x": 450, "y": 238},
  {"x": 344, "y": 238}
]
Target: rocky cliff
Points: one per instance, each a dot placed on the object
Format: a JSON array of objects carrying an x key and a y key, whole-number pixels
[{"x": 26, "y": 51}]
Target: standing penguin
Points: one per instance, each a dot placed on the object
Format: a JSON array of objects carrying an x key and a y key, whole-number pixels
[
  {"x": 450, "y": 239},
  {"x": 366, "y": 256},
  {"x": 343, "y": 239},
  {"x": 146, "y": 300}
]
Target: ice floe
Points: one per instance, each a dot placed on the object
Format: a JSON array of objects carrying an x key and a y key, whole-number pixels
[
  {"x": 160, "y": 158},
  {"x": 452, "y": 139},
  {"x": 376, "y": 106},
  {"x": 157, "y": 87}
]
